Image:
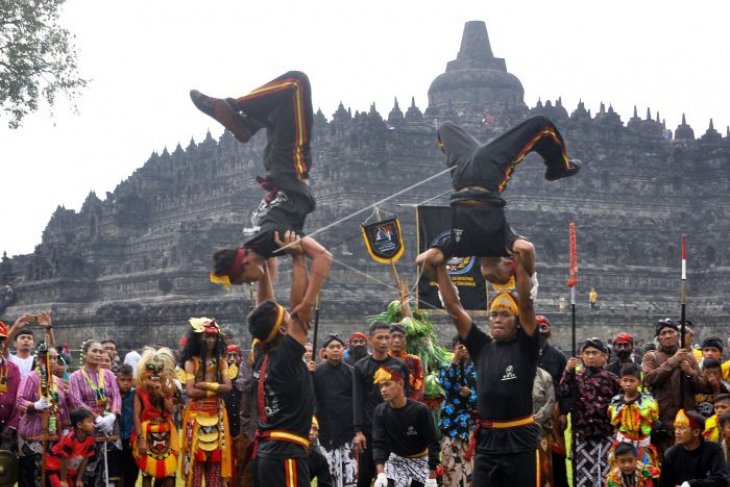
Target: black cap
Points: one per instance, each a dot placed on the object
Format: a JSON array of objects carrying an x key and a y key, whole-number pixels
[
  {"x": 666, "y": 323},
  {"x": 596, "y": 343}
]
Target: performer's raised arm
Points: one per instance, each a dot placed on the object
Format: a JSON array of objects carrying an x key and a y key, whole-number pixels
[
  {"x": 527, "y": 306},
  {"x": 451, "y": 301},
  {"x": 319, "y": 270}
]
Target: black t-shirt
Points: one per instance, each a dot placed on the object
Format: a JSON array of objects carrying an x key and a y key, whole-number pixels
[
  {"x": 505, "y": 374},
  {"x": 288, "y": 397},
  {"x": 365, "y": 394},
  {"x": 704, "y": 465},
  {"x": 405, "y": 431},
  {"x": 333, "y": 392}
]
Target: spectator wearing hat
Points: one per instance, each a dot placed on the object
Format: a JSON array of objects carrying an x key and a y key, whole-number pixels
[
  {"x": 333, "y": 396},
  {"x": 623, "y": 346},
  {"x": 591, "y": 390},
  {"x": 712, "y": 348},
  {"x": 357, "y": 348},
  {"x": 692, "y": 460},
  {"x": 663, "y": 371},
  {"x": 553, "y": 361},
  {"x": 715, "y": 385},
  {"x": 398, "y": 349}
]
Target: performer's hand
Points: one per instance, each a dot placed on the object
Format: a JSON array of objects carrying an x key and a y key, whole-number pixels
[
  {"x": 360, "y": 442},
  {"x": 142, "y": 445},
  {"x": 64, "y": 483},
  {"x": 312, "y": 366},
  {"x": 571, "y": 364},
  {"x": 291, "y": 241},
  {"x": 465, "y": 391},
  {"x": 79, "y": 483}
]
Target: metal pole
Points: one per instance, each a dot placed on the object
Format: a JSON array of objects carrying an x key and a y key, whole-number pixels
[
  {"x": 682, "y": 319},
  {"x": 572, "y": 324},
  {"x": 316, "y": 328}
]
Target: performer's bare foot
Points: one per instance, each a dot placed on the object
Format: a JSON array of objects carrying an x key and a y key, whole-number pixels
[
  {"x": 224, "y": 112},
  {"x": 575, "y": 165}
]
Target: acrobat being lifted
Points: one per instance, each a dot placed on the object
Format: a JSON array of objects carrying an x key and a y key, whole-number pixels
[
  {"x": 283, "y": 107},
  {"x": 480, "y": 173}
]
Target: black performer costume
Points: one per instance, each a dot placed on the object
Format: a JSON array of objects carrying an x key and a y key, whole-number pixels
[
  {"x": 405, "y": 431},
  {"x": 505, "y": 455},
  {"x": 481, "y": 172},
  {"x": 284, "y": 107},
  {"x": 366, "y": 397},
  {"x": 285, "y": 398}
]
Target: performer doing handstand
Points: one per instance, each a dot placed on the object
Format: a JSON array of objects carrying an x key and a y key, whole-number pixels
[
  {"x": 480, "y": 174},
  {"x": 284, "y": 107}
]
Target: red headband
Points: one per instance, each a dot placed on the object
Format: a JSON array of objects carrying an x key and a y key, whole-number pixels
[
  {"x": 357, "y": 334},
  {"x": 624, "y": 338},
  {"x": 237, "y": 265}
]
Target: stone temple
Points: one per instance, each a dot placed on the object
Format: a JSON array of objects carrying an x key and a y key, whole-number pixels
[{"x": 132, "y": 265}]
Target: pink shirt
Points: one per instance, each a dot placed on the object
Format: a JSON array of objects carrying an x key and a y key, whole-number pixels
[
  {"x": 8, "y": 416},
  {"x": 82, "y": 394},
  {"x": 31, "y": 421}
]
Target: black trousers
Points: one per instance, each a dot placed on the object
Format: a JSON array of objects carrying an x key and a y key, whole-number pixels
[
  {"x": 284, "y": 107},
  {"x": 365, "y": 464},
  {"x": 129, "y": 468},
  {"x": 490, "y": 166},
  {"x": 506, "y": 469},
  {"x": 280, "y": 472}
]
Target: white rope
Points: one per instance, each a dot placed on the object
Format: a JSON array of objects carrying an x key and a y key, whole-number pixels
[{"x": 362, "y": 210}]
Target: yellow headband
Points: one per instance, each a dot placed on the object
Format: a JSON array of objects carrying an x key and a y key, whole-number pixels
[
  {"x": 224, "y": 281},
  {"x": 504, "y": 301},
  {"x": 281, "y": 312},
  {"x": 384, "y": 375}
]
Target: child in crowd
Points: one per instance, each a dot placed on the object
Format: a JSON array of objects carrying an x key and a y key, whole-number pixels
[
  {"x": 724, "y": 421},
  {"x": 713, "y": 430},
  {"x": 66, "y": 462},
  {"x": 633, "y": 414},
  {"x": 628, "y": 471},
  {"x": 125, "y": 381}
]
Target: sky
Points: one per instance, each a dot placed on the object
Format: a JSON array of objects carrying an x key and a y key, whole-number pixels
[{"x": 143, "y": 56}]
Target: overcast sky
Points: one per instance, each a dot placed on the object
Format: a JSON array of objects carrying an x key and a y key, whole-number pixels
[{"x": 144, "y": 56}]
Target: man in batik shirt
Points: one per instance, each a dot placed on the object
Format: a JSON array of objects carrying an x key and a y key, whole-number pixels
[
  {"x": 459, "y": 381},
  {"x": 591, "y": 390}
]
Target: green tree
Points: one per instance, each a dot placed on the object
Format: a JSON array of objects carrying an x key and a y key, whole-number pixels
[{"x": 37, "y": 58}]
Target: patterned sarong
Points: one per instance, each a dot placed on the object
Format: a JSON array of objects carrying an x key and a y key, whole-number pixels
[
  {"x": 590, "y": 461},
  {"x": 403, "y": 471},
  {"x": 343, "y": 466}
]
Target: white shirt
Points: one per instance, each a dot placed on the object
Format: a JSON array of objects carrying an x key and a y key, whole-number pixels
[{"x": 25, "y": 365}]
